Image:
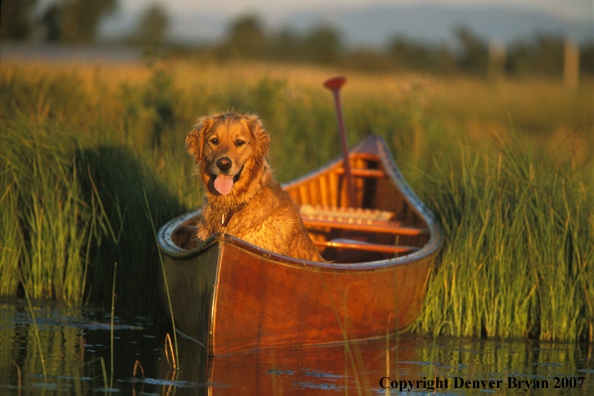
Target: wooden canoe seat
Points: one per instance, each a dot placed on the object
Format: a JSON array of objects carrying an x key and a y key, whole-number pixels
[
  {"x": 355, "y": 219},
  {"x": 360, "y": 245},
  {"x": 368, "y": 173}
]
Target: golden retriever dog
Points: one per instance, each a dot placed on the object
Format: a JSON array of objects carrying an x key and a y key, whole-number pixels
[{"x": 242, "y": 198}]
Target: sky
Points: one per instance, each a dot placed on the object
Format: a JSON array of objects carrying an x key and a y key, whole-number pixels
[{"x": 277, "y": 10}]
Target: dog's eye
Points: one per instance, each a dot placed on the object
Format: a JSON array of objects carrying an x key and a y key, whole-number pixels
[
  {"x": 214, "y": 141},
  {"x": 239, "y": 142}
]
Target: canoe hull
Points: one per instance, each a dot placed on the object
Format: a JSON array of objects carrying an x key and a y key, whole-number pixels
[{"x": 232, "y": 300}]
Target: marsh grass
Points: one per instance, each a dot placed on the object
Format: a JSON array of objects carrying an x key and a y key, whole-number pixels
[
  {"x": 519, "y": 255},
  {"x": 79, "y": 149},
  {"x": 72, "y": 198}
]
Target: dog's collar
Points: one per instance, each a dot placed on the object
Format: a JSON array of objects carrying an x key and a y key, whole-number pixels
[{"x": 225, "y": 218}]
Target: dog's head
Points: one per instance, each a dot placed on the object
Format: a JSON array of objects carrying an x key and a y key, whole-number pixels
[{"x": 230, "y": 149}]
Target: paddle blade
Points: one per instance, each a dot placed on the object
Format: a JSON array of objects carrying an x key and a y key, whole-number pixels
[{"x": 335, "y": 83}]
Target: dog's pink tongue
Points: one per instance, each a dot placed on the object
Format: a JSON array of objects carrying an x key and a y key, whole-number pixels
[{"x": 223, "y": 184}]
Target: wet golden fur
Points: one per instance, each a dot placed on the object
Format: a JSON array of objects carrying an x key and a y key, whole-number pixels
[{"x": 257, "y": 209}]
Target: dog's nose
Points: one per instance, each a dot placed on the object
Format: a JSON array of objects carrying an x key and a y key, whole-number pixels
[{"x": 224, "y": 163}]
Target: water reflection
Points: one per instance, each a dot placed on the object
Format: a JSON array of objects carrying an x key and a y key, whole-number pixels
[{"x": 76, "y": 347}]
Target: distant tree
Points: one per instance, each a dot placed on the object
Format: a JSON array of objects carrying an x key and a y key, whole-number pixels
[
  {"x": 286, "y": 45},
  {"x": 543, "y": 56},
  {"x": 519, "y": 61},
  {"x": 80, "y": 18},
  {"x": 15, "y": 21},
  {"x": 475, "y": 55},
  {"x": 549, "y": 55},
  {"x": 408, "y": 54},
  {"x": 322, "y": 44},
  {"x": 246, "y": 38},
  {"x": 587, "y": 58},
  {"x": 153, "y": 25},
  {"x": 52, "y": 20},
  {"x": 367, "y": 59}
]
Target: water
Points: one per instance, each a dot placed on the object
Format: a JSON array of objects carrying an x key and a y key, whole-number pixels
[{"x": 76, "y": 347}]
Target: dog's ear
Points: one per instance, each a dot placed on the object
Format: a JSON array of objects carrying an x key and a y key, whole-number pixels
[
  {"x": 260, "y": 136},
  {"x": 195, "y": 138}
]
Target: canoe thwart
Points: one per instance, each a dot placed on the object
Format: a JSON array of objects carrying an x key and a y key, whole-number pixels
[{"x": 371, "y": 173}]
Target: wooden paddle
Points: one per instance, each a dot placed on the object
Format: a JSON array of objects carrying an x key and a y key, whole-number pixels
[{"x": 334, "y": 84}]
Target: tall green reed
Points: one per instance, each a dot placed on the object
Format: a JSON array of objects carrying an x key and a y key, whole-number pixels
[
  {"x": 175, "y": 355},
  {"x": 519, "y": 254},
  {"x": 43, "y": 216}
]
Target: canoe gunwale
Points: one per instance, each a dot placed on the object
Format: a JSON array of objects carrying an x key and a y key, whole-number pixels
[{"x": 378, "y": 146}]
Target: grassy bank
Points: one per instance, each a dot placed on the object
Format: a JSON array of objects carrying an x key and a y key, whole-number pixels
[{"x": 507, "y": 170}]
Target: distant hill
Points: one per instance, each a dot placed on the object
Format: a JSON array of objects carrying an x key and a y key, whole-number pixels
[{"x": 375, "y": 25}]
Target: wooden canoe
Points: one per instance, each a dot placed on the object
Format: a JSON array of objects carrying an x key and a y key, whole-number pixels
[{"x": 232, "y": 297}]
